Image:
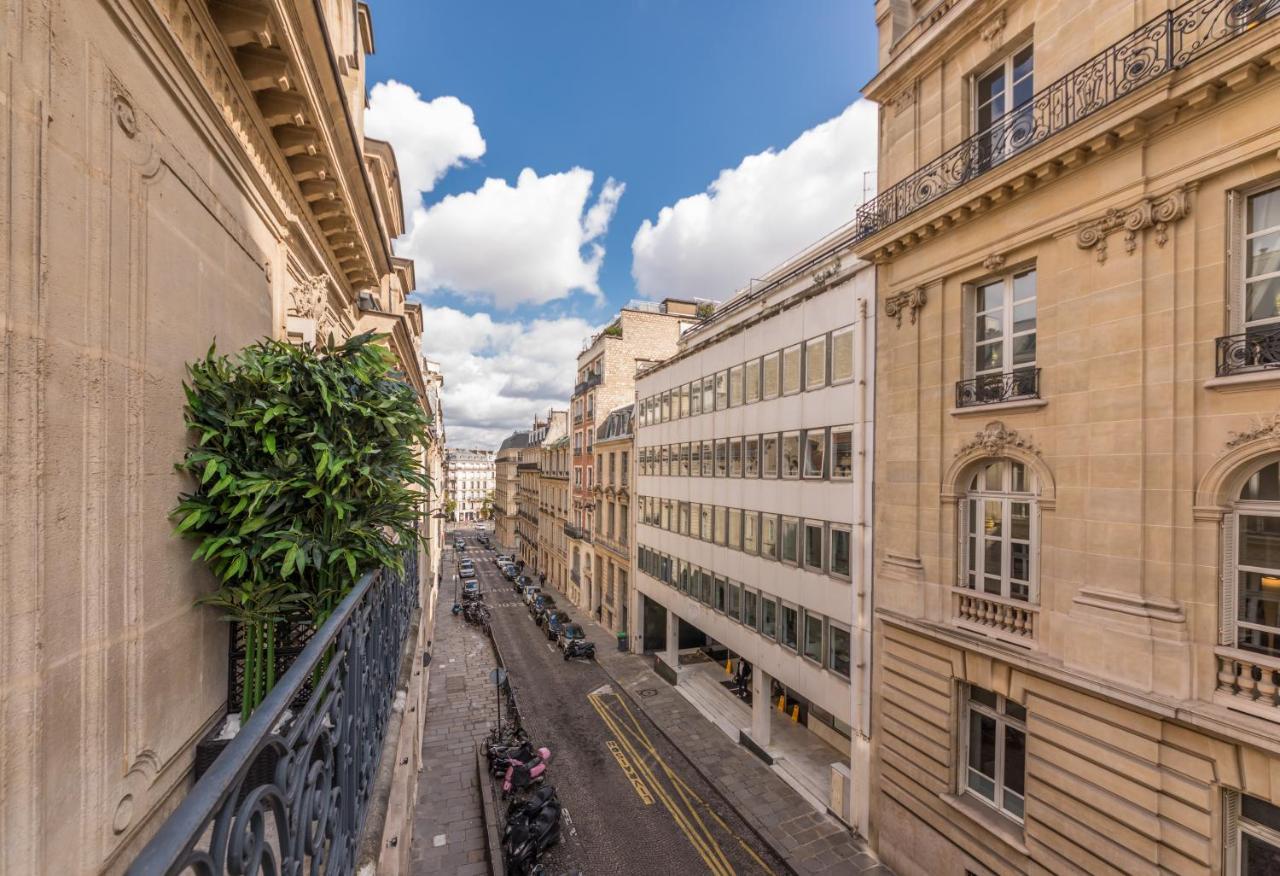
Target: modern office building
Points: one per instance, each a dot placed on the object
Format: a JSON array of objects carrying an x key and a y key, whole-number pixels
[
  {"x": 1077, "y": 457},
  {"x": 753, "y": 447},
  {"x": 471, "y": 481}
]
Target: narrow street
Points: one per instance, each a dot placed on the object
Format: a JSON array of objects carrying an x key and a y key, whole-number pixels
[{"x": 634, "y": 804}]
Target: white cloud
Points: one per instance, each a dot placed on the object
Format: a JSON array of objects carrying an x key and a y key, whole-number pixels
[
  {"x": 429, "y": 136},
  {"x": 759, "y": 213},
  {"x": 498, "y": 375},
  {"x": 529, "y": 243}
]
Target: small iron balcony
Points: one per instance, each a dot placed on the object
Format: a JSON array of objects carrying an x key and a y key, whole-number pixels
[
  {"x": 1256, "y": 350},
  {"x": 992, "y": 389}
]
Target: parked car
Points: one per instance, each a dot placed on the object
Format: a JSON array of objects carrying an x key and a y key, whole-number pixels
[
  {"x": 466, "y": 569},
  {"x": 542, "y": 603},
  {"x": 470, "y": 590},
  {"x": 509, "y": 572},
  {"x": 571, "y": 632},
  {"x": 502, "y": 559},
  {"x": 522, "y": 581},
  {"x": 556, "y": 621},
  {"x": 530, "y": 591}
]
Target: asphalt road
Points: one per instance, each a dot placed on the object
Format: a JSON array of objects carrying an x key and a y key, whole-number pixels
[{"x": 635, "y": 805}]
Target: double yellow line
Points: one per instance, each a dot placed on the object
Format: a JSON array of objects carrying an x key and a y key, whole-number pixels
[{"x": 684, "y": 811}]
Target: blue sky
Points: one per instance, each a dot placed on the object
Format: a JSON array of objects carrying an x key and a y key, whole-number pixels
[{"x": 661, "y": 97}]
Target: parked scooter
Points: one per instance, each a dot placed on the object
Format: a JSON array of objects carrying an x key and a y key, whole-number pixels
[
  {"x": 521, "y": 775},
  {"x": 502, "y": 757},
  {"x": 532, "y": 828},
  {"x": 580, "y": 648}
]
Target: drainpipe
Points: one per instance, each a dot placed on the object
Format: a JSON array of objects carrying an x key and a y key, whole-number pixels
[{"x": 860, "y": 790}]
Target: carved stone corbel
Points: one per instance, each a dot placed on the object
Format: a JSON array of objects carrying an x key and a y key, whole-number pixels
[
  {"x": 995, "y": 439},
  {"x": 993, "y": 31},
  {"x": 993, "y": 262},
  {"x": 908, "y": 299},
  {"x": 1155, "y": 213}
]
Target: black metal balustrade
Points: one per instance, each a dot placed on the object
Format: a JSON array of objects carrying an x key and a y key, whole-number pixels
[
  {"x": 308, "y": 819},
  {"x": 990, "y": 389},
  {"x": 1255, "y": 350},
  {"x": 592, "y": 380},
  {"x": 1167, "y": 42}
]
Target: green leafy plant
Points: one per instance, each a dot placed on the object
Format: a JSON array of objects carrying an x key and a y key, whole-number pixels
[
  {"x": 613, "y": 331},
  {"x": 309, "y": 470}
]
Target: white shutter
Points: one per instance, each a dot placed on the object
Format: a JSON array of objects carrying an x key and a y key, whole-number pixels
[
  {"x": 1227, "y": 596},
  {"x": 1231, "y": 832},
  {"x": 1235, "y": 262},
  {"x": 962, "y": 552}
]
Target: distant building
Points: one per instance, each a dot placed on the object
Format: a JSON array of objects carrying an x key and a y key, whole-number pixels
[
  {"x": 506, "y": 484},
  {"x": 469, "y": 478}
]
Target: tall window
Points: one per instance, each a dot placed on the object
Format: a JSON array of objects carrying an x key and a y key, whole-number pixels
[
  {"x": 1252, "y": 836},
  {"x": 791, "y": 370},
  {"x": 838, "y": 649},
  {"x": 839, "y": 551},
  {"x": 751, "y": 456},
  {"x": 841, "y": 453},
  {"x": 735, "y": 386},
  {"x": 771, "y": 381},
  {"x": 997, "y": 519},
  {"x": 841, "y": 355},
  {"x": 770, "y": 456},
  {"x": 812, "y": 644},
  {"x": 815, "y": 445},
  {"x": 791, "y": 454},
  {"x": 722, "y": 390},
  {"x": 1257, "y": 563},
  {"x": 995, "y": 763},
  {"x": 735, "y": 457},
  {"x": 1004, "y": 338},
  {"x": 751, "y": 381},
  {"x": 1262, "y": 276},
  {"x": 790, "y": 540},
  {"x": 708, "y": 394},
  {"x": 1002, "y": 89},
  {"x": 815, "y": 362},
  {"x": 813, "y": 533},
  {"x": 708, "y": 459}
]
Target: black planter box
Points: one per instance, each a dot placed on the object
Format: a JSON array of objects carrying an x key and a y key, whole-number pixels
[{"x": 262, "y": 772}]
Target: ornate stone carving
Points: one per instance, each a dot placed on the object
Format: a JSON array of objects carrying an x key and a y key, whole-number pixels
[
  {"x": 1263, "y": 427},
  {"x": 995, "y": 440},
  {"x": 993, "y": 262},
  {"x": 904, "y": 100},
  {"x": 122, "y": 109},
  {"x": 1148, "y": 213},
  {"x": 908, "y": 299},
  {"x": 308, "y": 299},
  {"x": 823, "y": 275},
  {"x": 993, "y": 31}
]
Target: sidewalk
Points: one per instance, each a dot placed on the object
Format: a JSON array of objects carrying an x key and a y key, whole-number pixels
[
  {"x": 809, "y": 841},
  {"x": 448, "y": 831}
]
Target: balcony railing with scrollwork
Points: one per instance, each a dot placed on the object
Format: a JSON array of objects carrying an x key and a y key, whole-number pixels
[
  {"x": 992, "y": 389},
  {"x": 1168, "y": 42},
  {"x": 309, "y": 817},
  {"x": 578, "y": 532},
  {"x": 1256, "y": 350}
]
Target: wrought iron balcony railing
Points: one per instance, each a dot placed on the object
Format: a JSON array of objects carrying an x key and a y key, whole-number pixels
[
  {"x": 1168, "y": 42},
  {"x": 309, "y": 817},
  {"x": 991, "y": 389},
  {"x": 577, "y": 532},
  {"x": 592, "y": 380},
  {"x": 1255, "y": 350}
]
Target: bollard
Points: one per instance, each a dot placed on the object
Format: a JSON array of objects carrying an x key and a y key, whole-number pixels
[
  {"x": 782, "y": 702},
  {"x": 728, "y": 669},
  {"x": 795, "y": 713}
]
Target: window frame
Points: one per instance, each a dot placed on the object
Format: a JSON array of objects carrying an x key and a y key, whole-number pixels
[
  {"x": 806, "y": 442},
  {"x": 831, "y": 452},
  {"x": 1232, "y": 623},
  {"x": 1002, "y": 720},
  {"x": 1240, "y": 236},
  {"x": 783, "y": 523},
  {"x": 796, "y": 350},
  {"x": 1237, "y": 826},
  {"x": 836, "y": 335},
  {"x": 1006, "y": 497},
  {"x": 1008, "y": 336},
  {"x": 803, "y": 636},
  {"x": 751, "y": 460},
  {"x": 783, "y": 472},
  {"x": 749, "y": 368},
  {"x": 828, "y": 659},
  {"x": 816, "y": 380},
  {"x": 722, "y": 390},
  {"x": 735, "y": 386},
  {"x": 847, "y": 530},
  {"x": 767, "y": 470},
  {"x": 806, "y": 527},
  {"x": 765, "y": 361}
]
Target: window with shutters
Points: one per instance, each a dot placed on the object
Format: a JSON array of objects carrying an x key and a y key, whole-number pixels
[
  {"x": 1000, "y": 531},
  {"x": 1251, "y": 835},
  {"x": 1251, "y": 566},
  {"x": 1254, "y": 305}
]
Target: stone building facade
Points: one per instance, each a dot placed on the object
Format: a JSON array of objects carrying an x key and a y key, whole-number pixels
[
  {"x": 553, "y": 511},
  {"x": 1077, "y": 642},
  {"x": 471, "y": 480},
  {"x": 529, "y": 517},
  {"x": 175, "y": 172},
  {"x": 752, "y": 454},
  {"x": 505, "y": 488},
  {"x": 612, "y": 540}
]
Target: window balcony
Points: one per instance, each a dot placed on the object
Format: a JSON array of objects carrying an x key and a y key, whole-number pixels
[
  {"x": 577, "y": 532},
  {"x": 1255, "y": 350},
  {"x": 1248, "y": 682},
  {"x": 592, "y": 380},
  {"x": 992, "y": 389},
  {"x": 1168, "y": 42},
  {"x": 1012, "y": 620}
]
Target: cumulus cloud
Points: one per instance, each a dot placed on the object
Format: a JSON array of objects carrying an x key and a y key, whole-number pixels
[
  {"x": 755, "y": 215},
  {"x": 530, "y": 243},
  {"x": 430, "y": 136},
  {"x": 498, "y": 374}
]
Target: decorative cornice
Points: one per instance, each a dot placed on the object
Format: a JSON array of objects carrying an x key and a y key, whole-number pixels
[
  {"x": 1147, "y": 213},
  {"x": 1263, "y": 427},
  {"x": 908, "y": 299},
  {"x": 995, "y": 440}
]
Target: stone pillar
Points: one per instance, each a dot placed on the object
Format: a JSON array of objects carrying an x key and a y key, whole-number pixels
[
  {"x": 673, "y": 639},
  {"x": 761, "y": 707}
]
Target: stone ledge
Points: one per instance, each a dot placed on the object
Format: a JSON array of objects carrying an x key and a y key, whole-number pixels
[
  {"x": 1244, "y": 382},
  {"x": 1022, "y": 404}
]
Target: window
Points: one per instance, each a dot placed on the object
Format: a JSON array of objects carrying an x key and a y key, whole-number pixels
[
  {"x": 721, "y": 587},
  {"x": 788, "y": 626},
  {"x": 815, "y": 445},
  {"x": 735, "y": 386},
  {"x": 733, "y": 606},
  {"x": 750, "y": 531},
  {"x": 790, "y": 541},
  {"x": 749, "y": 602},
  {"x": 813, "y": 545},
  {"x": 695, "y": 514},
  {"x": 695, "y": 398},
  {"x": 708, "y": 458},
  {"x": 708, "y": 394},
  {"x": 842, "y": 355},
  {"x": 840, "y": 536},
  {"x": 705, "y": 588},
  {"x": 1261, "y": 275},
  {"x": 722, "y": 390},
  {"x": 666, "y": 406},
  {"x": 684, "y": 401},
  {"x": 769, "y": 536},
  {"x": 838, "y": 649},
  {"x": 1252, "y": 836},
  {"x": 995, "y": 763},
  {"x": 684, "y": 459},
  {"x": 771, "y": 379},
  {"x": 768, "y": 616},
  {"x": 1004, "y": 339},
  {"x": 770, "y": 456},
  {"x": 751, "y": 456},
  {"x": 791, "y": 454},
  {"x": 682, "y": 513},
  {"x": 841, "y": 453},
  {"x": 751, "y": 381},
  {"x": 1000, "y": 90},
  {"x": 695, "y": 463},
  {"x": 1257, "y": 563},
  {"x": 735, "y": 529},
  {"x": 664, "y": 460},
  {"x": 815, "y": 363},
  {"x": 998, "y": 531},
  {"x": 735, "y": 457},
  {"x": 707, "y": 511},
  {"x": 722, "y": 457},
  {"x": 720, "y": 523},
  {"x": 812, "y": 643},
  {"x": 791, "y": 370}
]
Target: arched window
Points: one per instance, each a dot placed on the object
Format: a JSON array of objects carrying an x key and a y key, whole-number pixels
[
  {"x": 999, "y": 527},
  {"x": 1251, "y": 567}
]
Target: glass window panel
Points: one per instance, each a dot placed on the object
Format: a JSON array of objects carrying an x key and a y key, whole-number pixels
[
  {"x": 1015, "y": 759},
  {"x": 1260, "y": 812},
  {"x": 721, "y": 587},
  {"x": 842, "y": 355},
  {"x": 722, "y": 457},
  {"x": 771, "y": 375},
  {"x": 735, "y": 457},
  {"x": 1022, "y": 63},
  {"x": 735, "y": 528},
  {"x": 695, "y": 398},
  {"x": 751, "y": 381},
  {"x": 841, "y": 453},
  {"x": 722, "y": 390},
  {"x": 991, "y": 85},
  {"x": 1263, "y": 299},
  {"x": 750, "y": 530},
  {"x": 769, "y": 536},
  {"x": 734, "y": 606},
  {"x": 751, "y": 457},
  {"x": 990, "y": 325},
  {"x": 791, "y": 455},
  {"x": 735, "y": 386},
  {"x": 992, "y": 556},
  {"x": 993, "y": 517},
  {"x": 813, "y": 637},
  {"x": 1264, "y": 211},
  {"x": 1024, "y": 350},
  {"x": 695, "y": 464},
  {"x": 1258, "y": 857},
  {"x": 989, "y": 296},
  {"x": 708, "y": 459},
  {"x": 791, "y": 370},
  {"x": 988, "y": 357},
  {"x": 1263, "y": 485},
  {"x": 1020, "y": 562},
  {"x": 684, "y": 400},
  {"x": 840, "y": 551},
  {"x": 790, "y": 539},
  {"x": 788, "y": 626},
  {"x": 770, "y": 464},
  {"x": 815, "y": 363},
  {"x": 1020, "y": 520},
  {"x": 838, "y": 650},
  {"x": 1018, "y": 477},
  {"x": 749, "y": 604},
  {"x": 708, "y": 394},
  {"x": 1024, "y": 317},
  {"x": 768, "y": 617},
  {"x": 815, "y": 443},
  {"x": 813, "y": 545},
  {"x": 1013, "y": 710},
  {"x": 1264, "y": 254},
  {"x": 982, "y": 754},
  {"x": 1259, "y": 541},
  {"x": 984, "y": 697}
]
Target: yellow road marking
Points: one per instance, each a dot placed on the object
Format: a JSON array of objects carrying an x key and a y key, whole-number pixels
[
  {"x": 698, "y": 842},
  {"x": 630, "y": 773}
]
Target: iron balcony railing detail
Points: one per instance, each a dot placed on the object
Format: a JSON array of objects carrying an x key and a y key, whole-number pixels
[
  {"x": 1170, "y": 41},
  {"x": 990, "y": 389},
  {"x": 1256, "y": 350},
  {"x": 592, "y": 380},
  {"x": 309, "y": 817}
]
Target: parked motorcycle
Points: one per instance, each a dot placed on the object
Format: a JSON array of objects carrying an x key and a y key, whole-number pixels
[
  {"x": 525, "y": 774},
  {"x": 580, "y": 648},
  {"x": 501, "y": 757},
  {"x": 531, "y": 829}
]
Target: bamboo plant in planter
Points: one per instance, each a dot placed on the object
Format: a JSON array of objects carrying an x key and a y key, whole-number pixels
[{"x": 308, "y": 474}]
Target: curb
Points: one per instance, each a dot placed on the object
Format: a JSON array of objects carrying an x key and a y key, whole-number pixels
[{"x": 489, "y": 806}]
